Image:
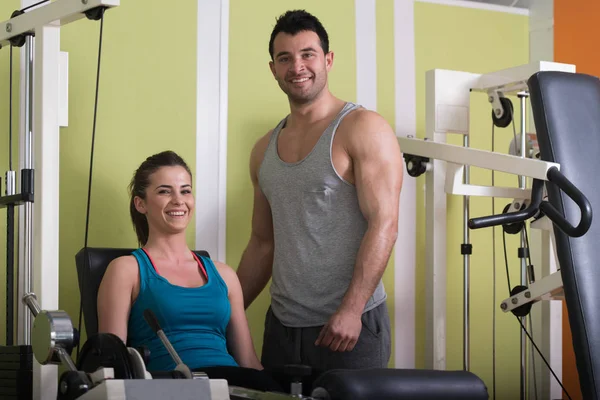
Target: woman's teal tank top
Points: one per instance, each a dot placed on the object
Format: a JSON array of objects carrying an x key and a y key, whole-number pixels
[{"x": 194, "y": 319}]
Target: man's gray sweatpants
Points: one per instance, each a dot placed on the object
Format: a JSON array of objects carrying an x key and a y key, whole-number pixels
[{"x": 283, "y": 345}]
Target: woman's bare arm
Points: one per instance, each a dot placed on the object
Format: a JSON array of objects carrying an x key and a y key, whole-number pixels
[
  {"x": 119, "y": 287},
  {"x": 238, "y": 333}
]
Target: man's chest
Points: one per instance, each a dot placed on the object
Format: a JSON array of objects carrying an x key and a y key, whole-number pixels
[{"x": 295, "y": 146}]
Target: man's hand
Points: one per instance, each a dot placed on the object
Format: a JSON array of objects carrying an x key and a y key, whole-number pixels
[{"x": 341, "y": 331}]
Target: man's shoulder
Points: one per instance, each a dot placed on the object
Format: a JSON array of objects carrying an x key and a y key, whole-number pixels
[
  {"x": 362, "y": 118},
  {"x": 260, "y": 146},
  {"x": 363, "y": 122},
  {"x": 258, "y": 153}
]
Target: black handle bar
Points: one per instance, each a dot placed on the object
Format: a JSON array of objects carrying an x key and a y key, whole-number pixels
[
  {"x": 517, "y": 216},
  {"x": 556, "y": 177},
  {"x": 585, "y": 221}
]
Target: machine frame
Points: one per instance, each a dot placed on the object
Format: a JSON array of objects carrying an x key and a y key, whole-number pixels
[
  {"x": 447, "y": 172},
  {"x": 43, "y": 85}
]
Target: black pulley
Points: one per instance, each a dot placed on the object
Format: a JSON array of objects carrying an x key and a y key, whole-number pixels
[
  {"x": 19, "y": 40},
  {"x": 507, "y": 115},
  {"x": 108, "y": 351},
  {"x": 95, "y": 14},
  {"x": 415, "y": 165},
  {"x": 515, "y": 227},
  {"x": 523, "y": 310}
]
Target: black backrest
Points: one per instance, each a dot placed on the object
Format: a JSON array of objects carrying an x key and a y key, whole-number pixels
[
  {"x": 566, "y": 111},
  {"x": 90, "y": 275}
]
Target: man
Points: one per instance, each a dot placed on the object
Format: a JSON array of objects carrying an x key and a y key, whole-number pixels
[{"x": 327, "y": 185}]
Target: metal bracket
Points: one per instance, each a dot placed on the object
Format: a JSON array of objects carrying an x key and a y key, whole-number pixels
[{"x": 547, "y": 288}]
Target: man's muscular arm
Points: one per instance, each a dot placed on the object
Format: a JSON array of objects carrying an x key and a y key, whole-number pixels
[
  {"x": 378, "y": 172},
  {"x": 255, "y": 268}
]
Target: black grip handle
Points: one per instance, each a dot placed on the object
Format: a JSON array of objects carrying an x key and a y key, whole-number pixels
[
  {"x": 152, "y": 320},
  {"x": 517, "y": 216},
  {"x": 556, "y": 177}
]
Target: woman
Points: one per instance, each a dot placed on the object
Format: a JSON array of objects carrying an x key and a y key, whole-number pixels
[{"x": 197, "y": 301}]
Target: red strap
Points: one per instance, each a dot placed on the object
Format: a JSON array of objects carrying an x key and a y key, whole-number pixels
[{"x": 201, "y": 265}]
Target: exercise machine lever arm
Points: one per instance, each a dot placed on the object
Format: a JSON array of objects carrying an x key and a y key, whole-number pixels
[
  {"x": 180, "y": 366},
  {"x": 53, "y": 335}
]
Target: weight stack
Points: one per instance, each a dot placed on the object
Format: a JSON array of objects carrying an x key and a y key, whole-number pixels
[{"x": 16, "y": 373}]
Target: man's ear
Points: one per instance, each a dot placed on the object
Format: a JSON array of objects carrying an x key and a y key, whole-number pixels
[
  {"x": 329, "y": 60},
  {"x": 140, "y": 204},
  {"x": 272, "y": 68}
]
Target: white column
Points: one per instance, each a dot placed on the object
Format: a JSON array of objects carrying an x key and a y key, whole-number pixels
[
  {"x": 46, "y": 193},
  {"x": 366, "y": 54},
  {"x": 405, "y": 248},
  {"x": 211, "y": 126},
  {"x": 447, "y": 105}
]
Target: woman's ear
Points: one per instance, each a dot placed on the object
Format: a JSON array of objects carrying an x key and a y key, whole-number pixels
[{"x": 140, "y": 204}]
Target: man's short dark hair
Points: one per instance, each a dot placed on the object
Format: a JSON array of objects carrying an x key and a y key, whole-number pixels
[{"x": 295, "y": 21}]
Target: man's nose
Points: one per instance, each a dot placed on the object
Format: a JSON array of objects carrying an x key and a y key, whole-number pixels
[{"x": 297, "y": 66}]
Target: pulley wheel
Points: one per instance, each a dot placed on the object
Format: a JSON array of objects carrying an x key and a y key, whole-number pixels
[
  {"x": 523, "y": 310},
  {"x": 108, "y": 351},
  {"x": 415, "y": 165},
  {"x": 507, "y": 116}
]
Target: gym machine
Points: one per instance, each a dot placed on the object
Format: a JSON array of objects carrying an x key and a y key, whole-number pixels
[{"x": 447, "y": 172}]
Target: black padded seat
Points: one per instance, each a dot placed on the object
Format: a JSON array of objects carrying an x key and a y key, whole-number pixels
[
  {"x": 400, "y": 384},
  {"x": 566, "y": 111}
]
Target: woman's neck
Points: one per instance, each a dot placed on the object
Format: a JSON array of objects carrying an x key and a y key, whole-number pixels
[{"x": 172, "y": 247}]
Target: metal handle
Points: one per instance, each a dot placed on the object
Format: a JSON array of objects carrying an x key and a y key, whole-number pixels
[
  {"x": 155, "y": 326},
  {"x": 556, "y": 177},
  {"x": 30, "y": 301},
  {"x": 517, "y": 216}
]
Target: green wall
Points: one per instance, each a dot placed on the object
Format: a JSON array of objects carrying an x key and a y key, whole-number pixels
[
  {"x": 147, "y": 104},
  {"x": 462, "y": 39}
]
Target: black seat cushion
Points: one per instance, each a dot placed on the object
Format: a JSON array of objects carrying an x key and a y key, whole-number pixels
[
  {"x": 566, "y": 110},
  {"x": 398, "y": 384}
]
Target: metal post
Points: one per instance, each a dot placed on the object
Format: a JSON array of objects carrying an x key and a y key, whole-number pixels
[
  {"x": 26, "y": 210},
  {"x": 466, "y": 273},
  {"x": 10, "y": 259},
  {"x": 524, "y": 282}
]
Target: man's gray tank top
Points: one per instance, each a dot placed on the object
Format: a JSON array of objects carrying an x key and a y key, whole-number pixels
[{"x": 318, "y": 229}]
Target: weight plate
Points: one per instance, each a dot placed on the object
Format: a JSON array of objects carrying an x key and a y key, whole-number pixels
[{"x": 108, "y": 351}]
